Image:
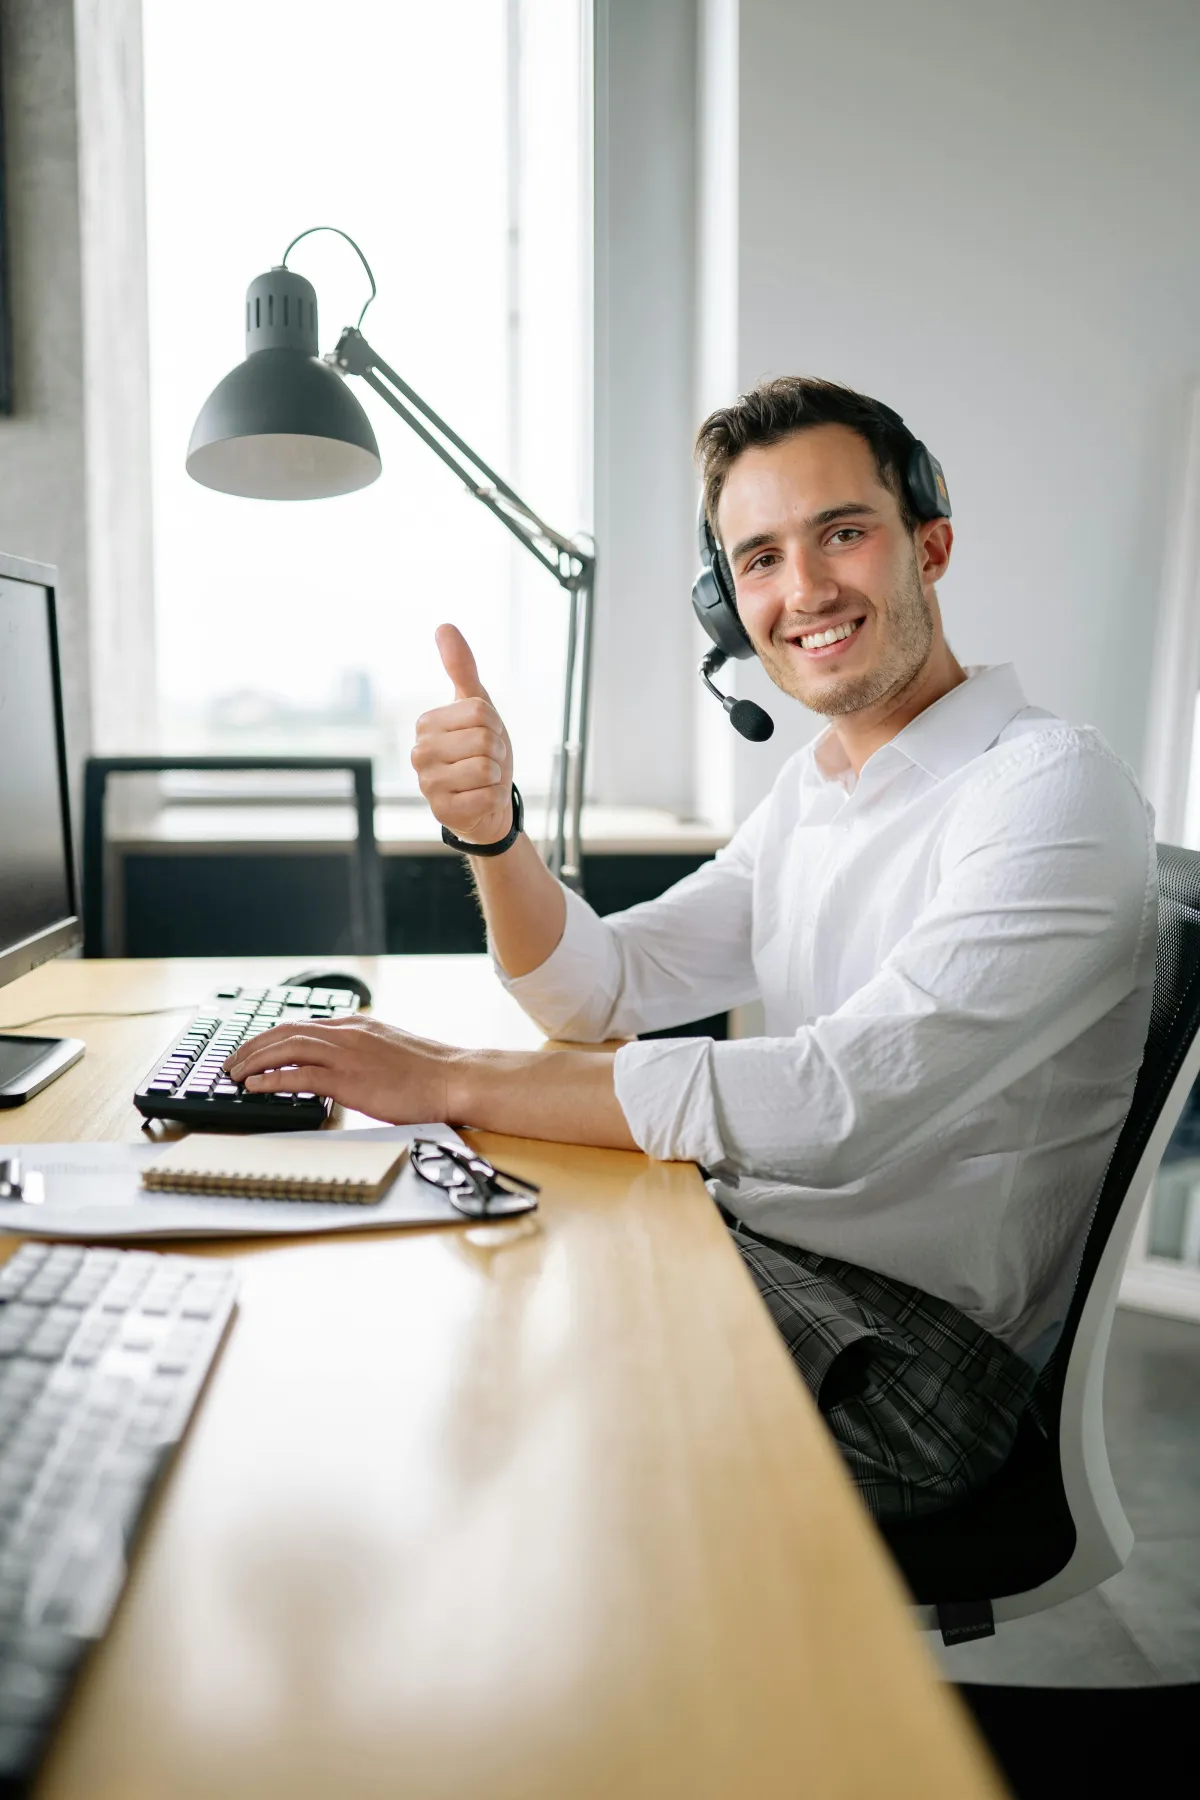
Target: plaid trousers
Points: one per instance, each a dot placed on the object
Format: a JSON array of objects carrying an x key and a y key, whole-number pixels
[{"x": 924, "y": 1405}]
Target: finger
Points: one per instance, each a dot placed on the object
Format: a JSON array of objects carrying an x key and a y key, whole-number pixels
[
  {"x": 476, "y": 774},
  {"x": 293, "y": 1047},
  {"x": 464, "y": 810},
  {"x": 435, "y": 750},
  {"x": 302, "y": 1080},
  {"x": 459, "y": 663},
  {"x": 473, "y": 740},
  {"x": 262, "y": 1040},
  {"x": 459, "y": 715}
]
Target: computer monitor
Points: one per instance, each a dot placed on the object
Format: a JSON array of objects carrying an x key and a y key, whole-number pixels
[{"x": 39, "y": 914}]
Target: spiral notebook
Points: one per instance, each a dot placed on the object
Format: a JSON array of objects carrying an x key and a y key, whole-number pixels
[{"x": 324, "y": 1166}]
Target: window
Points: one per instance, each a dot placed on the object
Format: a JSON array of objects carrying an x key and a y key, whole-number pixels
[{"x": 450, "y": 141}]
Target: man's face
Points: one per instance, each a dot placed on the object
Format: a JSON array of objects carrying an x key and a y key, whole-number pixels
[{"x": 816, "y": 544}]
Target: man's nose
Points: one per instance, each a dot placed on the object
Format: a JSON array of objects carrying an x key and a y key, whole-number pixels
[{"x": 810, "y": 584}]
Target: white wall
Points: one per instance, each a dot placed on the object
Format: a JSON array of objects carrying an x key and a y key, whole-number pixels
[{"x": 988, "y": 217}]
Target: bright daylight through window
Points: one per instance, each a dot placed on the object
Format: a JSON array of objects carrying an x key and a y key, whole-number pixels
[{"x": 450, "y": 141}]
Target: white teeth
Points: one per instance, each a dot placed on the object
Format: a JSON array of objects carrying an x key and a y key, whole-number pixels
[{"x": 818, "y": 639}]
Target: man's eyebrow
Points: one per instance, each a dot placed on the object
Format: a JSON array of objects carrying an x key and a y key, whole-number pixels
[
  {"x": 848, "y": 509},
  {"x": 748, "y": 544}
]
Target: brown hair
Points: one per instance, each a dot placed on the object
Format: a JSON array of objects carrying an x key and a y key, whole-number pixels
[{"x": 776, "y": 409}]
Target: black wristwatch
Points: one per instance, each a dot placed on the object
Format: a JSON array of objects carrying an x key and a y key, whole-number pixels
[{"x": 501, "y": 844}]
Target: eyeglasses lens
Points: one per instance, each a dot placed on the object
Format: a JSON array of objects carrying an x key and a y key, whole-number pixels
[{"x": 470, "y": 1183}]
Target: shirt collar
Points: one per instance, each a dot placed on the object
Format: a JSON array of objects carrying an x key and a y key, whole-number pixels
[{"x": 948, "y": 734}]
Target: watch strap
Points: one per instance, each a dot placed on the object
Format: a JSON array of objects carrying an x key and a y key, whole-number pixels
[{"x": 501, "y": 844}]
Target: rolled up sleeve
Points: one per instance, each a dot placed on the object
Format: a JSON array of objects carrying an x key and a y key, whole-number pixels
[{"x": 571, "y": 995}]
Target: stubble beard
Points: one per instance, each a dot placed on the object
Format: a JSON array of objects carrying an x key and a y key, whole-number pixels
[{"x": 909, "y": 640}]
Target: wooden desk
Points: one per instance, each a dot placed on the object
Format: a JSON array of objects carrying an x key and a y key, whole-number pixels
[{"x": 536, "y": 1513}]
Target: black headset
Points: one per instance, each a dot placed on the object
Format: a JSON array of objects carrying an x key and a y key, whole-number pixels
[{"x": 714, "y": 601}]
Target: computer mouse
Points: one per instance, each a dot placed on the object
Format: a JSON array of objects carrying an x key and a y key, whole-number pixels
[{"x": 330, "y": 978}]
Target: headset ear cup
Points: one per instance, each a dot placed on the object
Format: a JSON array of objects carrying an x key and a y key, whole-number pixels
[
  {"x": 713, "y": 599},
  {"x": 927, "y": 489},
  {"x": 724, "y": 575}
]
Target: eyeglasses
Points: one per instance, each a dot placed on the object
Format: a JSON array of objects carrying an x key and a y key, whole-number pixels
[{"x": 470, "y": 1183}]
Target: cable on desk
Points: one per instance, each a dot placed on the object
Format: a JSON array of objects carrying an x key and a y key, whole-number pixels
[{"x": 147, "y": 1012}]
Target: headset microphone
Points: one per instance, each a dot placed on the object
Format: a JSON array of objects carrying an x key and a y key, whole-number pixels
[{"x": 744, "y": 715}]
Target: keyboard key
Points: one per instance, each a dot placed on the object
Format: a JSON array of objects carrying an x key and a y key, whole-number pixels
[
  {"x": 201, "y": 1306},
  {"x": 50, "y": 1281},
  {"x": 17, "y": 1271},
  {"x": 52, "y": 1336},
  {"x": 159, "y": 1299},
  {"x": 17, "y": 1321}
]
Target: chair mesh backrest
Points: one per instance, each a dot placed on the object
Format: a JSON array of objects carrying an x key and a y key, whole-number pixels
[{"x": 1174, "y": 1019}]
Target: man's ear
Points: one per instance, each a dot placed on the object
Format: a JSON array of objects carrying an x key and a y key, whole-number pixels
[{"x": 934, "y": 542}]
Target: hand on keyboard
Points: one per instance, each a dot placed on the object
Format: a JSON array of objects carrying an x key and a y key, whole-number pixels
[
  {"x": 362, "y": 1063},
  {"x": 189, "y": 1083}
]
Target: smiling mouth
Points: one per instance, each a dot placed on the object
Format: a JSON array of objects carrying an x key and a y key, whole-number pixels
[{"x": 815, "y": 643}]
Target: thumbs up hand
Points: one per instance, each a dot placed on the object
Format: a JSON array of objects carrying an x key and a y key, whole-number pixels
[{"x": 462, "y": 754}]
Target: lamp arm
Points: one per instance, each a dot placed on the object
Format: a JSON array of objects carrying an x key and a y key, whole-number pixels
[
  {"x": 566, "y": 560},
  {"x": 573, "y": 567}
]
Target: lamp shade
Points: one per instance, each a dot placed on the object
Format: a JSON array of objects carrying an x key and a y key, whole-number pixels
[{"x": 283, "y": 425}]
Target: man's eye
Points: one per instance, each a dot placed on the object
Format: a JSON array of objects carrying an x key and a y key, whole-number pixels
[
  {"x": 848, "y": 533},
  {"x": 763, "y": 560}
]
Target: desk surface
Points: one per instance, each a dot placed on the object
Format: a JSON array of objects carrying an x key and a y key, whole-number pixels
[{"x": 539, "y": 1511}]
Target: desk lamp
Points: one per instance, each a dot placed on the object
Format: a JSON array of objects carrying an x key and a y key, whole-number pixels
[{"x": 283, "y": 425}]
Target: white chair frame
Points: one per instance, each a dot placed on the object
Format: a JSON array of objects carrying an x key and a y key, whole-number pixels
[{"x": 1103, "y": 1534}]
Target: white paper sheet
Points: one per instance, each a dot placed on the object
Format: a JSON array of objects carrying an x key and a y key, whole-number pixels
[{"x": 94, "y": 1191}]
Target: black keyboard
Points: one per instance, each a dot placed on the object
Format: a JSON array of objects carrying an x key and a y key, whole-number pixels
[
  {"x": 102, "y": 1357},
  {"x": 188, "y": 1083}
]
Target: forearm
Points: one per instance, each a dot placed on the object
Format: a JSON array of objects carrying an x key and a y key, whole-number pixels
[
  {"x": 523, "y": 905},
  {"x": 566, "y": 1096}
]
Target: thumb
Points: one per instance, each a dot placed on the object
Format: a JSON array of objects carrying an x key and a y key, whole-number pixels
[{"x": 459, "y": 663}]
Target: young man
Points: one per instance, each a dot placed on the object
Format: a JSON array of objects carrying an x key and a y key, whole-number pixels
[{"x": 947, "y": 905}]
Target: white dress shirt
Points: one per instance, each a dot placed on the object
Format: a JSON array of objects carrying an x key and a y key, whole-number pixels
[{"x": 955, "y": 955}]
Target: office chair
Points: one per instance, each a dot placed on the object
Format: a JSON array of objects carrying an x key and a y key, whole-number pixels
[
  {"x": 1049, "y": 1525},
  {"x": 353, "y": 925}
]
